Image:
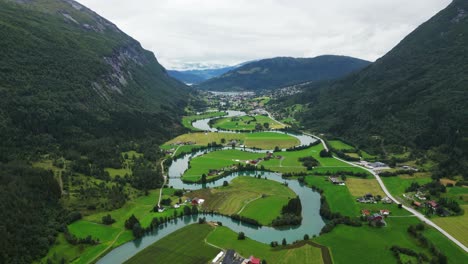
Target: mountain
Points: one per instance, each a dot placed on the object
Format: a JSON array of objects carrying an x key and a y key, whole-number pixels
[
  {"x": 69, "y": 75},
  {"x": 414, "y": 96},
  {"x": 283, "y": 71},
  {"x": 76, "y": 90},
  {"x": 195, "y": 76}
]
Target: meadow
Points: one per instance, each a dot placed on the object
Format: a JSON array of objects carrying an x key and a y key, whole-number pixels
[
  {"x": 372, "y": 245},
  {"x": 246, "y": 123},
  {"x": 226, "y": 238},
  {"x": 171, "y": 249},
  {"x": 188, "y": 120},
  {"x": 339, "y": 145},
  {"x": 262, "y": 199},
  {"x": 262, "y": 140},
  {"x": 110, "y": 236}
]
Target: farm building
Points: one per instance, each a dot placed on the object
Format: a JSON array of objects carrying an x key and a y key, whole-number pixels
[{"x": 336, "y": 180}]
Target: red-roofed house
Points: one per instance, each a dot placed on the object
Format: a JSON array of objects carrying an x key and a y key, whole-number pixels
[
  {"x": 384, "y": 212},
  {"x": 432, "y": 204},
  {"x": 365, "y": 212},
  {"x": 254, "y": 260}
]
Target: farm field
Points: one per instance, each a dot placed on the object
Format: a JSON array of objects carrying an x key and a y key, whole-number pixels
[
  {"x": 171, "y": 249},
  {"x": 226, "y": 238},
  {"x": 360, "y": 187},
  {"x": 246, "y": 123},
  {"x": 109, "y": 235},
  {"x": 398, "y": 184},
  {"x": 247, "y": 191},
  {"x": 262, "y": 140},
  {"x": 188, "y": 120},
  {"x": 372, "y": 245},
  {"x": 217, "y": 160},
  {"x": 339, "y": 145},
  {"x": 457, "y": 226}
]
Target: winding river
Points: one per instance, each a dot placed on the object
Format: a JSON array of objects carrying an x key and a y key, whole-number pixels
[{"x": 312, "y": 222}]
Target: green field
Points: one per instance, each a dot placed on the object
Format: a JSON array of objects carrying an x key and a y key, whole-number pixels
[
  {"x": 188, "y": 120},
  {"x": 372, "y": 245},
  {"x": 109, "y": 236},
  {"x": 398, "y": 184},
  {"x": 246, "y": 123},
  {"x": 291, "y": 163},
  {"x": 262, "y": 140},
  {"x": 457, "y": 226},
  {"x": 339, "y": 145},
  {"x": 217, "y": 160},
  {"x": 247, "y": 191},
  {"x": 226, "y": 238},
  {"x": 184, "y": 246}
]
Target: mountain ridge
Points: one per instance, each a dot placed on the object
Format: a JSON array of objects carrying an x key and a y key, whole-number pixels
[{"x": 282, "y": 71}]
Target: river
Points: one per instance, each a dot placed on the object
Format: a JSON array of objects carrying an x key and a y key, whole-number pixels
[{"x": 312, "y": 222}]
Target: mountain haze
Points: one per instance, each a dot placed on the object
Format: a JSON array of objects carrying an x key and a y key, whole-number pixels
[
  {"x": 283, "y": 71},
  {"x": 196, "y": 76}
]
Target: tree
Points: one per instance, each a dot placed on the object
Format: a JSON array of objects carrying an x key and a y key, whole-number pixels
[
  {"x": 203, "y": 178},
  {"x": 107, "y": 220},
  {"x": 266, "y": 125},
  {"x": 187, "y": 210},
  {"x": 284, "y": 243},
  {"x": 225, "y": 183},
  {"x": 241, "y": 236},
  {"x": 137, "y": 230},
  {"x": 306, "y": 237},
  {"x": 130, "y": 222},
  {"x": 223, "y": 140},
  {"x": 258, "y": 127},
  {"x": 194, "y": 210}
]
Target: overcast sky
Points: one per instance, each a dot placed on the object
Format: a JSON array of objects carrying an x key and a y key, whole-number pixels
[{"x": 234, "y": 31}]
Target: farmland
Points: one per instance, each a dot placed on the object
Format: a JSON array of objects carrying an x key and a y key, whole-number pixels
[
  {"x": 263, "y": 199},
  {"x": 170, "y": 249},
  {"x": 248, "y": 123},
  {"x": 188, "y": 120},
  {"x": 262, "y": 140}
]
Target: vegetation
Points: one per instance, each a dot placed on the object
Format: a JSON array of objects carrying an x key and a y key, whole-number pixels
[
  {"x": 188, "y": 120},
  {"x": 247, "y": 196},
  {"x": 246, "y": 123},
  {"x": 283, "y": 71},
  {"x": 300, "y": 253},
  {"x": 424, "y": 92},
  {"x": 170, "y": 249},
  {"x": 262, "y": 140}
]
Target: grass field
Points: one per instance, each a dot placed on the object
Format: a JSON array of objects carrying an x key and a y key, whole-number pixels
[
  {"x": 184, "y": 246},
  {"x": 263, "y": 140},
  {"x": 226, "y": 238},
  {"x": 188, "y": 120},
  {"x": 217, "y": 160},
  {"x": 339, "y": 145},
  {"x": 246, "y": 123},
  {"x": 457, "y": 226},
  {"x": 398, "y": 184},
  {"x": 247, "y": 191},
  {"x": 112, "y": 235},
  {"x": 360, "y": 187},
  {"x": 372, "y": 245}
]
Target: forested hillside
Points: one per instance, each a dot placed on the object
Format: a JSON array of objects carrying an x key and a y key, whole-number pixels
[
  {"x": 414, "y": 96},
  {"x": 78, "y": 92},
  {"x": 283, "y": 71}
]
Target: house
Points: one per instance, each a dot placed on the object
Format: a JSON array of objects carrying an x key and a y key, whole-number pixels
[
  {"x": 417, "y": 204},
  {"x": 386, "y": 200},
  {"x": 432, "y": 204},
  {"x": 365, "y": 212},
  {"x": 218, "y": 257},
  {"x": 254, "y": 260},
  {"x": 336, "y": 180},
  {"x": 232, "y": 257},
  {"x": 377, "y": 164},
  {"x": 385, "y": 212},
  {"x": 177, "y": 205},
  {"x": 376, "y": 220}
]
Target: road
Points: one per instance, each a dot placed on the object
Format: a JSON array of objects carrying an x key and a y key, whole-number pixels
[
  {"x": 384, "y": 188},
  {"x": 411, "y": 210}
]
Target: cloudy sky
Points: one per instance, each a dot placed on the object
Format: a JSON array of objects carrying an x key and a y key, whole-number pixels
[{"x": 233, "y": 31}]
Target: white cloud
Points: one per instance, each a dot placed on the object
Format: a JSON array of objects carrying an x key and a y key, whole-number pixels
[{"x": 233, "y": 31}]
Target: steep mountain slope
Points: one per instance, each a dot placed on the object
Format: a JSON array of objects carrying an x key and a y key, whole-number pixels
[
  {"x": 199, "y": 75},
  {"x": 77, "y": 91},
  {"x": 416, "y": 95},
  {"x": 67, "y": 74},
  {"x": 282, "y": 71}
]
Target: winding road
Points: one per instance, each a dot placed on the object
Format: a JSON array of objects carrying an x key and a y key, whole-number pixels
[{"x": 384, "y": 188}]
